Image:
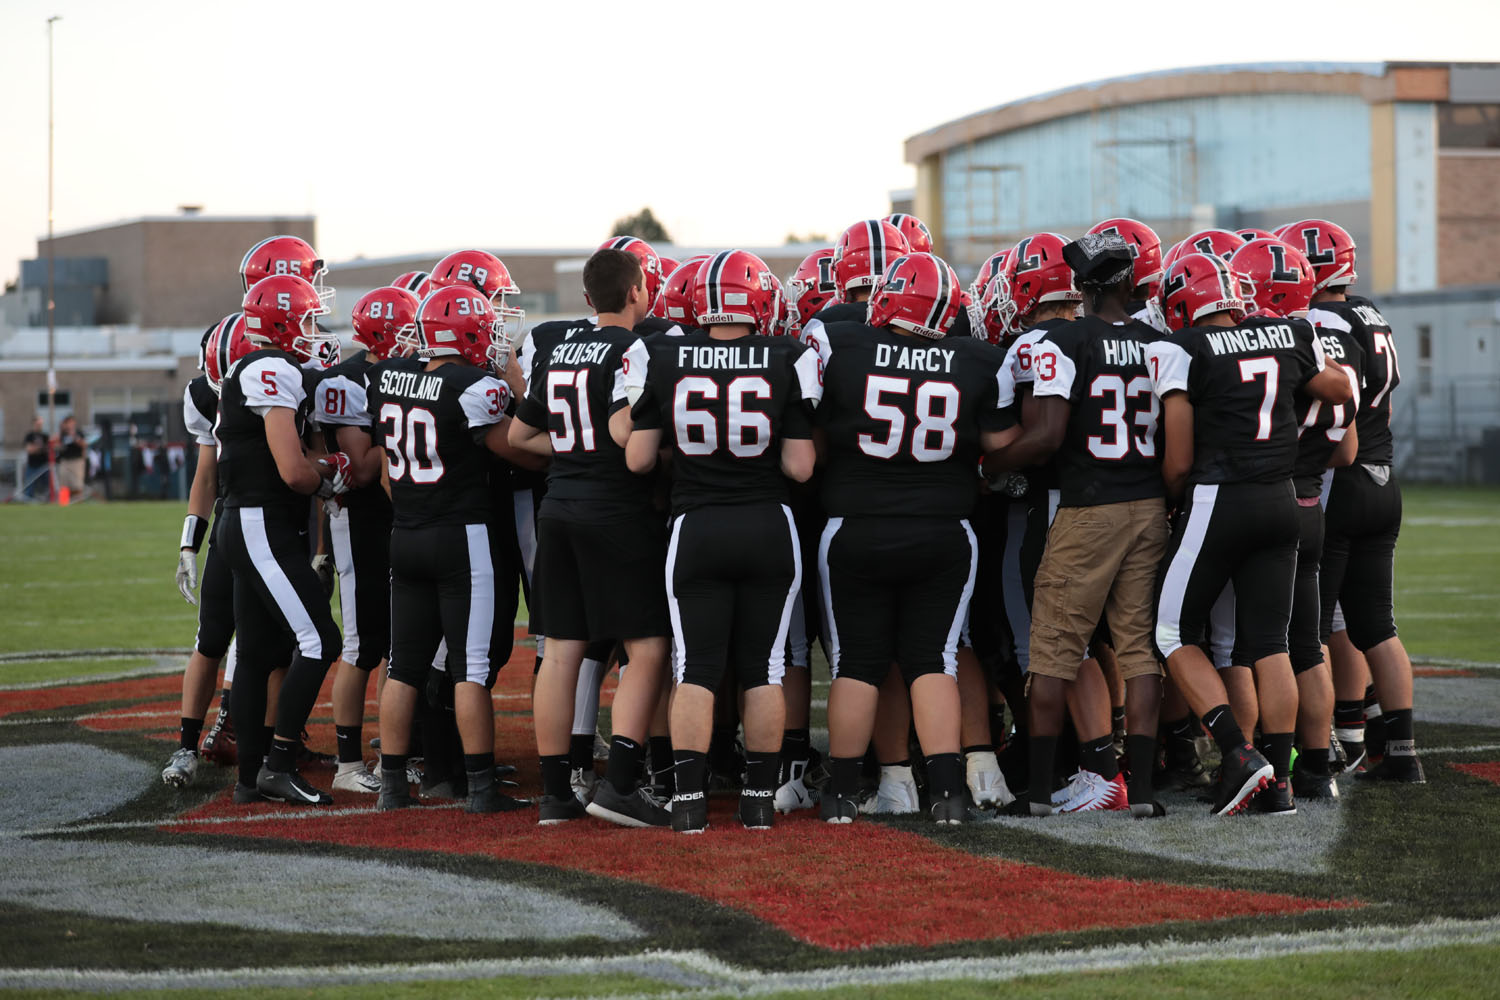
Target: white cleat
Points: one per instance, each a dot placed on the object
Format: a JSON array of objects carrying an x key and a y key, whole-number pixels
[
  {"x": 795, "y": 794},
  {"x": 897, "y": 795},
  {"x": 986, "y": 781},
  {"x": 353, "y": 777},
  {"x": 1095, "y": 793},
  {"x": 1076, "y": 786},
  {"x": 181, "y": 767}
]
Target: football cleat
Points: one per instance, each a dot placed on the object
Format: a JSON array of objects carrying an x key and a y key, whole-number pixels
[
  {"x": 290, "y": 787},
  {"x": 949, "y": 810},
  {"x": 492, "y": 800},
  {"x": 1184, "y": 766},
  {"x": 897, "y": 795},
  {"x": 1314, "y": 786},
  {"x": 584, "y": 783},
  {"x": 1245, "y": 774},
  {"x": 838, "y": 808},
  {"x": 1277, "y": 799},
  {"x": 690, "y": 812},
  {"x": 636, "y": 809},
  {"x": 1092, "y": 792},
  {"x": 757, "y": 808},
  {"x": 308, "y": 757},
  {"x": 1403, "y": 767},
  {"x": 986, "y": 781},
  {"x": 555, "y": 811},
  {"x": 181, "y": 767},
  {"x": 353, "y": 777},
  {"x": 794, "y": 793},
  {"x": 245, "y": 794},
  {"x": 1354, "y": 753},
  {"x": 395, "y": 791},
  {"x": 1148, "y": 810}
]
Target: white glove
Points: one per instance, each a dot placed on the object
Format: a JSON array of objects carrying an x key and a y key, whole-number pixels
[
  {"x": 339, "y": 482},
  {"x": 187, "y": 575}
]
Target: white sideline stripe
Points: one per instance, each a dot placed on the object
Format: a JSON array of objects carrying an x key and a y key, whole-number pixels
[
  {"x": 152, "y": 671},
  {"x": 720, "y": 978},
  {"x": 55, "y": 719},
  {"x": 156, "y": 824}
]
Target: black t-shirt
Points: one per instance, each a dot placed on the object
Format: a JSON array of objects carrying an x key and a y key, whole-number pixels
[
  {"x": 903, "y": 416},
  {"x": 1358, "y": 317},
  {"x": 70, "y": 446},
  {"x": 576, "y": 386},
  {"x": 723, "y": 407},
  {"x": 342, "y": 401},
  {"x": 1110, "y": 453},
  {"x": 1321, "y": 427},
  {"x": 38, "y": 457},
  {"x": 1242, "y": 381},
  {"x": 258, "y": 382},
  {"x": 432, "y": 426}
]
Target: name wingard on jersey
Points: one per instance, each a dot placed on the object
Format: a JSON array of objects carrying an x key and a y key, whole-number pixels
[
  {"x": 921, "y": 359},
  {"x": 413, "y": 385},
  {"x": 1239, "y": 340}
]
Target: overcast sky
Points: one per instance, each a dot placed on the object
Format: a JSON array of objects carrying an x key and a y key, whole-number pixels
[{"x": 420, "y": 127}]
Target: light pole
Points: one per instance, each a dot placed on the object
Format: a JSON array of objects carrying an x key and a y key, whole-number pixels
[{"x": 51, "y": 251}]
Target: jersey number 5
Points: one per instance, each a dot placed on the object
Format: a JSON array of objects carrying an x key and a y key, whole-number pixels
[
  {"x": 936, "y": 411},
  {"x": 417, "y": 455}
]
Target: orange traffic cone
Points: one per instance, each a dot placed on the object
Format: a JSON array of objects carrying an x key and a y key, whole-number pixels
[{"x": 62, "y": 496}]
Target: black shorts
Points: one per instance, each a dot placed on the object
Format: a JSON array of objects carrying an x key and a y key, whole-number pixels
[
  {"x": 215, "y": 600},
  {"x": 1245, "y": 533},
  {"x": 600, "y": 580},
  {"x": 807, "y": 610},
  {"x": 443, "y": 588},
  {"x": 733, "y": 574},
  {"x": 360, "y": 538},
  {"x": 1358, "y": 572},
  {"x": 1304, "y": 641},
  {"x": 1026, "y": 524},
  {"x": 896, "y": 590}
]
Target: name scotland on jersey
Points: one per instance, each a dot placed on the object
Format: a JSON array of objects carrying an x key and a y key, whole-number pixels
[
  {"x": 1234, "y": 340},
  {"x": 921, "y": 359},
  {"x": 723, "y": 357},
  {"x": 414, "y": 385}
]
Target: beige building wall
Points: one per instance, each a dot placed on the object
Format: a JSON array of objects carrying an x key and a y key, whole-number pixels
[{"x": 1468, "y": 217}]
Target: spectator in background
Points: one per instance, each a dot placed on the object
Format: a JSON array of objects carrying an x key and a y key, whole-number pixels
[
  {"x": 36, "y": 483},
  {"x": 70, "y": 456}
]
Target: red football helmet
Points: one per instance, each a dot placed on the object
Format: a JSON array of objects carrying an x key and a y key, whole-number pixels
[
  {"x": 417, "y": 282},
  {"x": 285, "y": 255},
  {"x": 226, "y": 344},
  {"x": 1219, "y": 242},
  {"x": 811, "y": 286},
  {"x": 1251, "y": 233},
  {"x": 1329, "y": 249},
  {"x": 459, "y": 321},
  {"x": 1281, "y": 279},
  {"x": 650, "y": 260},
  {"x": 918, "y": 236},
  {"x": 675, "y": 301},
  {"x": 735, "y": 286},
  {"x": 863, "y": 252},
  {"x": 482, "y": 270},
  {"x": 786, "y": 319},
  {"x": 992, "y": 315},
  {"x": 918, "y": 293},
  {"x": 1145, "y": 247},
  {"x": 1199, "y": 284},
  {"x": 385, "y": 322},
  {"x": 993, "y": 265},
  {"x": 281, "y": 312},
  {"x": 1037, "y": 273},
  {"x": 668, "y": 265}
]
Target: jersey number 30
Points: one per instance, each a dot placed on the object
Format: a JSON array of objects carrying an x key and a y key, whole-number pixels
[{"x": 417, "y": 454}]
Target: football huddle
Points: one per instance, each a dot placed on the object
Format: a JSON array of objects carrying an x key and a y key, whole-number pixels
[{"x": 1112, "y": 518}]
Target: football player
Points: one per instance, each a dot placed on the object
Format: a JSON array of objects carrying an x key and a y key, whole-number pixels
[
  {"x": 267, "y": 481},
  {"x": 359, "y": 524},
  {"x": 1093, "y": 407},
  {"x": 1145, "y": 249},
  {"x": 904, "y": 420},
  {"x": 437, "y": 417},
  {"x": 1364, "y": 511},
  {"x": 1227, "y": 386},
  {"x": 732, "y": 404},
  {"x": 600, "y": 543}
]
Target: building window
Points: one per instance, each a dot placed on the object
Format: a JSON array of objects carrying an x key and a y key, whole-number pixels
[
  {"x": 1468, "y": 126},
  {"x": 125, "y": 406}
]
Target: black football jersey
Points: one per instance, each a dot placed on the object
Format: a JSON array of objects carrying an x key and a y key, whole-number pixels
[
  {"x": 903, "y": 416},
  {"x": 259, "y": 381},
  {"x": 200, "y": 408},
  {"x": 341, "y": 401},
  {"x": 1018, "y": 376},
  {"x": 1110, "y": 453},
  {"x": 576, "y": 386},
  {"x": 432, "y": 425},
  {"x": 1242, "y": 381},
  {"x": 1358, "y": 317},
  {"x": 723, "y": 407},
  {"x": 541, "y": 338},
  {"x": 960, "y": 326},
  {"x": 1321, "y": 427}
]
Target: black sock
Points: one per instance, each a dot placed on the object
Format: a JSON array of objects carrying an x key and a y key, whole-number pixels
[
  {"x": 1043, "y": 754},
  {"x": 979, "y": 748},
  {"x": 393, "y": 762},
  {"x": 760, "y": 769},
  {"x": 999, "y": 729},
  {"x": 660, "y": 750},
  {"x": 479, "y": 762},
  {"x": 1278, "y": 750},
  {"x": 1375, "y": 724},
  {"x": 350, "y": 751},
  {"x": 625, "y": 757},
  {"x": 555, "y": 776},
  {"x": 1117, "y": 719},
  {"x": 843, "y": 775},
  {"x": 1399, "y": 740},
  {"x": 283, "y": 756},
  {"x": 1349, "y": 719},
  {"x": 1226, "y": 732},
  {"x": 1099, "y": 756},
  {"x": 581, "y": 751},
  {"x": 267, "y": 736},
  {"x": 945, "y": 776},
  {"x": 192, "y": 729},
  {"x": 1313, "y": 761},
  {"x": 1181, "y": 729},
  {"x": 689, "y": 771},
  {"x": 1140, "y": 753},
  {"x": 795, "y": 744}
]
